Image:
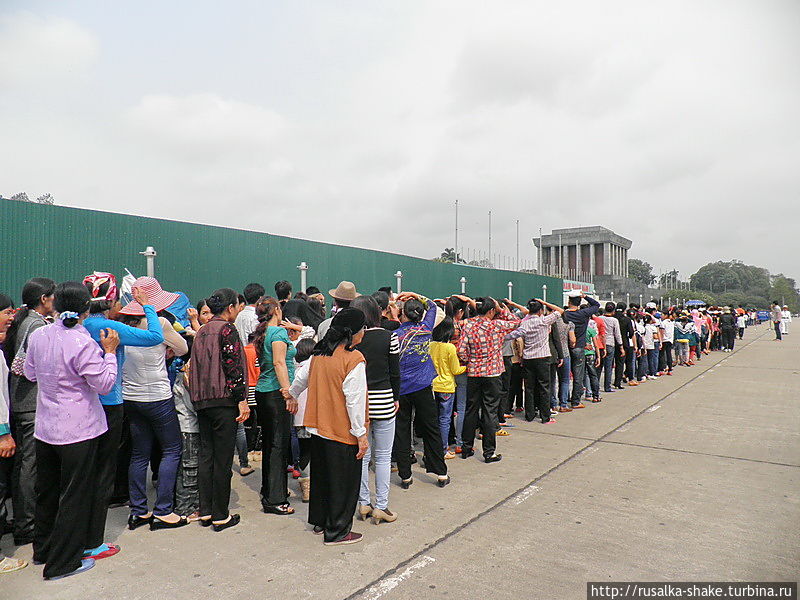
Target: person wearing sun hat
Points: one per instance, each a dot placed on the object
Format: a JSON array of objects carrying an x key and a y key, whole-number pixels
[
  {"x": 104, "y": 294},
  {"x": 336, "y": 417},
  {"x": 342, "y": 295},
  {"x": 149, "y": 404}
]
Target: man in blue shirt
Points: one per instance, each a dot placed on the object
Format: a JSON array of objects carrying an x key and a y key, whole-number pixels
[{"x": 580, "y": 317}]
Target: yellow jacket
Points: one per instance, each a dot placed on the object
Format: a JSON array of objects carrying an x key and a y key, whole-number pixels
[{"x": 445, "y": 359}]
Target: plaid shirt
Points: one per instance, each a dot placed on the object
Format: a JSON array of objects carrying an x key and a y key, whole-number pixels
[
  {"x": 481, "y": 343},
  {"x": 535, "y": 330}
]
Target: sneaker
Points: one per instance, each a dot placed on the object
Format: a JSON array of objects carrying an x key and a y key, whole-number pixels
[
  {"x": 350, "y": 538},
  {"x": 518, "y": 409},
  {"x": 448, "y": 455},
  {"x": 458, "y": 449},
  {"x": 554, "y": 411},
  {"x": 565, "y": 409},
  {"x": 502, "y": 432}
]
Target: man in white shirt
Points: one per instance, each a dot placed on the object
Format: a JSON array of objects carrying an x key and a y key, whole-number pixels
[
  {"x": 786, "y": 318},
  {"x": 247, "y": 321}
]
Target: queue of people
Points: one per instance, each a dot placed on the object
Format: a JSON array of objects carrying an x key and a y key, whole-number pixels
[{"x": 96, "y": 394}]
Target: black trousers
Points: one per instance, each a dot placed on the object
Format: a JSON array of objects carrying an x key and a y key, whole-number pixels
[
  {"x": 619, "y": 364},
  {"x": 275, "y": 423},
  {"x": 515, "y": 386},
  {"x": 6, "y": 468},
  {"x": 124, "y": 451},
  {"x": 483, "y": 395},
  {"x": 334, "y": 486},
  {"x": 65, "y": 487},
  {"x": 23, "y": 478},
  {"x": 729, "y": 337},
  {"x": 741, "y": 333},
  {"x": 105, "y": 473},
  {"x": 665, "y": 357},
  {"x": 217, "y": 442},
  {"x": 505, "y": 391},
  {"x": 426, "y": 424},
  {"x": 537, "y": 371}
]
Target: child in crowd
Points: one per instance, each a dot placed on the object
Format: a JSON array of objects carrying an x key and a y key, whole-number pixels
[{"x": 445, "y": 359}]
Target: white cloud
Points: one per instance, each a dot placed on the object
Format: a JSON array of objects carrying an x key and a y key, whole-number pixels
[{"x": 43, "y": 51}]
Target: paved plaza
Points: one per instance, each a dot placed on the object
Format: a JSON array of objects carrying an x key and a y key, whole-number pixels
[{"x": 690, "y": 477}]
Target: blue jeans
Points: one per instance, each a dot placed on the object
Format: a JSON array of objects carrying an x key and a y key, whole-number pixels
[
  {"x": 445, "y": 415},
  {"x": 652, "y": 361},
  {"x": 151, "y": 421},
  {"x": 241, "y": 446},
  {"x": 577, "y": 359},
  {"x": 563, "y": 384},
  {"x": 608, "y": 364},
  {"x": 630, "y": 359},
  {"x": 461, "y": 405},
  {"x": 381, "y": 440}
]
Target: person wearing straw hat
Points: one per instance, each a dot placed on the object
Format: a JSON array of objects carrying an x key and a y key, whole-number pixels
[
  {"x": 149, "y": 404},
  {"x": 342, "y": 295}
]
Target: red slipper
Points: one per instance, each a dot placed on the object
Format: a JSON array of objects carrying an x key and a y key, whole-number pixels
[{"x": 112, "y": 550}]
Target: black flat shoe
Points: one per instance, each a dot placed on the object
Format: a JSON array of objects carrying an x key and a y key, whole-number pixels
[
  {"x": 134, "y": 521},
  {"x": 467, "y": 453},
  {"x": 280, "y": 509},
  {"x": 493, "y": 458},
  {"x": 406, "y": 483},
  {"x": 205, "y": 522},
  {"x": 234, "y": 520},
  {"x": 157, "y": 523},
  {"x": 443, "y": 482}
]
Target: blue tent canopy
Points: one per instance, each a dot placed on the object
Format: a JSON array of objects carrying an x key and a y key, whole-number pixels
[{"x": 695, "y": 303}]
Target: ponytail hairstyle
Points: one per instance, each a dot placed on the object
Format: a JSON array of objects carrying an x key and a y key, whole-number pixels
[
  {"x": 221, "y": 299},
  {"x": 534, "y": 306},
  {"x": 485, "y": 305},
  {"x": 32, "y": 293},
  {"x": 346, "y": 323},
  {"x": 265, "y": 310},
  {"x": 444, "y": 331},
  {"x": 414, "y": 310},
  {"x": 72, "y": 300},
  {"x": 453, "y": 305}
]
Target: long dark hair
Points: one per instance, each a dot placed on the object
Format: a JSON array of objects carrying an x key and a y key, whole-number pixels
[
  {"x": 444, "y": 331},
  {"x": 72, "y": 296},
  {"x": 32, "y": 293},
  {"x": 265, "y": 310},
  {"x": 371, "y": 309}
]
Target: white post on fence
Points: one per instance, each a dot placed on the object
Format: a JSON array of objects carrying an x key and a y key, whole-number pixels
[
  {"x": 612, "y": 296},
  {"x": 399, "y": 276},
  {"x": 510, "y": 290},
  {"x": 628, "y": 299},
  {"x": 303, "y": 266},
  {"x": 150, "y": 254},
  {"x": 544, "y": 291},
  {"x": 463, "y": 285},
  {"x": 640, "y": 301}
]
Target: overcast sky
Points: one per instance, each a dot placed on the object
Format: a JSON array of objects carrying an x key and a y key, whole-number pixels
[{"x": 675, "y": 124}]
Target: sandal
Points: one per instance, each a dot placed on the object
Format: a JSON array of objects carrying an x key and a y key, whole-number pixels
[
  {"x": 280, "y": 509},
  {"x": 9, "y": 565}
]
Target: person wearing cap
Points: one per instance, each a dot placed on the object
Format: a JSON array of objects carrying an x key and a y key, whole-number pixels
[
  {"x": 342, "y": 296},
  {"x": 786, "y": 318},
  {"x": 336, "y": 417},
  {"x": 149, "y": 404},
  {"x": 105, "y": 299},
  {"x": 580, "y": 317}
]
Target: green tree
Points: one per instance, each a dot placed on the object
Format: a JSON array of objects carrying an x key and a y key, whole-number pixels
[
  {"x": 784, "y": 290},
  {"x": 449, "y": 256},
  {"x": 641, "y": 271}
]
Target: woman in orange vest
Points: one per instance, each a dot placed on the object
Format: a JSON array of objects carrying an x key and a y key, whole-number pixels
[{"x": 336, "y": 417}]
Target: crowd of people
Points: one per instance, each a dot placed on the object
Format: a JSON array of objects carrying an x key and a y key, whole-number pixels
[{"x": 96, "y": 394}]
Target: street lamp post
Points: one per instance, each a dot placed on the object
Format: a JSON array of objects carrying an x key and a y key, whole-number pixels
[
  {"x": 399, "y": 277},
  {"x": 303, "y": 266},
  {"x": 612, "y": 296},
  {"x": 628, "y": 299},
  {"x": 510, "y": 289},
  {"x": 544, "y": 291},
  {"x": 150, "y": 254},
  {"x": 463, "y": 285}
]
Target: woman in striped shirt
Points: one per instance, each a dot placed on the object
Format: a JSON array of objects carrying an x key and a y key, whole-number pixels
[{"x": 381, "y": 350}]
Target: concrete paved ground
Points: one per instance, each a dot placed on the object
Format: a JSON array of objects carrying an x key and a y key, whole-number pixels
[{"x": 691, "y": 477}]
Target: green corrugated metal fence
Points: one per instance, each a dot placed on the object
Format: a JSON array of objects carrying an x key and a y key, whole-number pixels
[{"x": 66, "y": 243}]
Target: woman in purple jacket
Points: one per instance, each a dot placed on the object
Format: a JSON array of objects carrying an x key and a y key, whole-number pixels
[{"x": 71, "y": 370}]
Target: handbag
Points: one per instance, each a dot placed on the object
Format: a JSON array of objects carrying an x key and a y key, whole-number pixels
[{"x": 18, "y": 364}]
